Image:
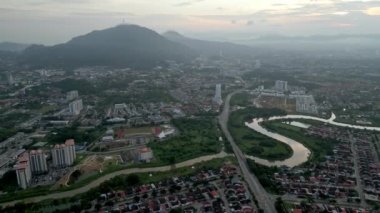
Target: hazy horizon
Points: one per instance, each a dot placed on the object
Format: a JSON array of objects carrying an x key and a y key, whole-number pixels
[{"x": 54, "y": 21}]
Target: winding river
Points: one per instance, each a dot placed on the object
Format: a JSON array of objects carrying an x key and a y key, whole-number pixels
[{"x": 300, "y": 152}]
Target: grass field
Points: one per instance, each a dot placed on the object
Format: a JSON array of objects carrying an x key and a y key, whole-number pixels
[
  {"x": 286, "y": 104},
  {"x": 241, "y": 99},
  {"x": 47, "y": 108},
  {"x": 254, "y": 143},
  {"x": 138, "y": 130},
  {"x": 197, "y": 137}
]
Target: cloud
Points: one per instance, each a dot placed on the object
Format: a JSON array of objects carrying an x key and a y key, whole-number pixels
[
  {"x": 373, "y": 11},
  {"x": 342, "y": 25},
  {"x": 340, "y": 13},
  {"x": 187, "y": 3},
  {"x": 102, "y": 14},
  {"x": 250, "y": 23}
]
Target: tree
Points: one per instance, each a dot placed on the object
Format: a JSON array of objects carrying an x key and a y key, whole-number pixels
[
  {"x": 172, "y": 160},
  {"x": 179, "y": 210},
  {"x": 84, "y": 204},
  {"x": 56, "y": 202},
  {"x": 154, "y": 193},
  {"x": 145, "y": 196},
  {"x": 109, "y": 203},
  {"x": 75, "y": 208},
  {"x": 136, "y": 199},
  {"x": 310, "y": 199},
  {"x": 9, "y": 181},
  {"x": 98, "y": 206},
  {"x": 172, "y": 190},
  {"x": 279, "y": 205},
  {"x": 163, "y": 191},
  {"x": 133, "y": 179}
]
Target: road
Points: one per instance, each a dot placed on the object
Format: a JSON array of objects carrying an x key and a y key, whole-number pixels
[
  {"x": 359, "y": 186},
  {"x": 256, "y": 188},
  {"x": 97, "y": 182},
  {"x": 293, "y": 199}
]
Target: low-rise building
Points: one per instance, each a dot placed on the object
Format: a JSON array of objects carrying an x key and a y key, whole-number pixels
[{"x": 145, "y": 154}]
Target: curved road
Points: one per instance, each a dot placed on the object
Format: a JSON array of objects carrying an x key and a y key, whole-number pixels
[
  {"x": 256, "y": 188},
  {"x": 97, "y": 182}
]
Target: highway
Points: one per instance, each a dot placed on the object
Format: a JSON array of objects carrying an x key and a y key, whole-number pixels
[{"x": 256, "y": 188}]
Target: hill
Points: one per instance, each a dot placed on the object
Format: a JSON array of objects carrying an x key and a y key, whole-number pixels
[
  {"x": 13, "y": 47},
  {"x": 123, "y": 45},
  {"x": 211, "y": 48}
]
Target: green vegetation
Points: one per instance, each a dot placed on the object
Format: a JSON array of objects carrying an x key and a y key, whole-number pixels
[
  {"x": 83, "y": 86},
  {"x": 254, "y": 143},
  {"x": 198, "y": 137},
  {"x": 265, "y": 175},
  {"x": 241, "y": 99},
  {"x": 318, "y": 146},
  {"x": 10, "y": 120},
  {"x": 151, "y": 95},
  {"x": 6, "y": 133},
  {"x": 80, "y": 136},
  {"x": 184, "y": 171},
  {"x": 280, "y": 205},
  {"x": 38, "y": 106},
  {"x": 38, "y": 191},
  {"x": 31, "y": 192},
  {"x": 74, "y": 176},
  {"x": 122, "y": 182},
  {"x": 138, "y": 130},
  {"x": 9, "y": 181}
]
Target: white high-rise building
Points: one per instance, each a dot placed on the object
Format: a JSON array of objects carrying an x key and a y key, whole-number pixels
[
  {"x": 11, "y": 80},
  {"x": 57, "y": 154},
  {"x": 76, "y": 107},
  {"x": 70, "y": 154},
  {"x": 306, "y": 104},
  {"x": 218, "y": 95},
  {"x": 72, "y": 95},
  {"x": 281, "y": 86},
  {"x": 38, "y": 162},
  {"x": 64, "y": 154},
  {"x": 23, "y": 171}
]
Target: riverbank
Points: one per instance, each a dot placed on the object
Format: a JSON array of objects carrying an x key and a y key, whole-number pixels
[
  {"x": 301, "y": 154},
  {"x": 101, "y": 179},
  {"x": 319, "y": 147},
  {"x": 255, "y": 143}
]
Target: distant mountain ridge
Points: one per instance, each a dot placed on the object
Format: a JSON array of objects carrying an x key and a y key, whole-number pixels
[
  {"x": 211, "y": 48},
  {"x": 317, "y": 37},
  {"x": 123, "y": 45},
  {"x": 13, "y": 47}
]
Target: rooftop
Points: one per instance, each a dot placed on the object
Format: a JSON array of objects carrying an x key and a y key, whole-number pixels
[{"x": 70, "y": 142}]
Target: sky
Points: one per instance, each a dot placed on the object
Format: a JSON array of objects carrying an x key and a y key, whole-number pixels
[{"x": 56, "y": 21}]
